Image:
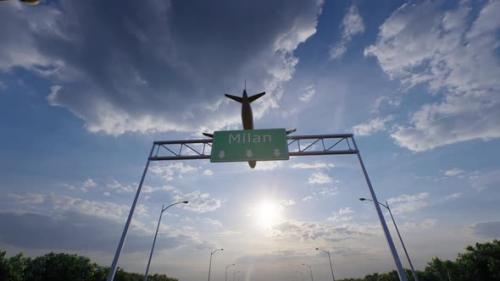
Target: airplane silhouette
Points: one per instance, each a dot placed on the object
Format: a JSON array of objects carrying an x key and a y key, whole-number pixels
[{"x": 246, "y": 115}]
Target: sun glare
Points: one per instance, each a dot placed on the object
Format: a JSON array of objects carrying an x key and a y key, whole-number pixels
[{"x": 267, "y": 213}]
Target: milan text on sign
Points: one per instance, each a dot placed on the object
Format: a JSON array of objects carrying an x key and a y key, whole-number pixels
[{"x": 249, "y": 145}]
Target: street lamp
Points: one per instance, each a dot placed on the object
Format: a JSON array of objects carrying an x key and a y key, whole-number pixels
[
  {"x": 210, "y": 263},
  {"x": 330, "y": 259},
  {"x": 163, "y": 209},
  {"x": 386, "y": 205},
  {"x": 228, "y": 266},
  {"x": 310, "y": 271}
]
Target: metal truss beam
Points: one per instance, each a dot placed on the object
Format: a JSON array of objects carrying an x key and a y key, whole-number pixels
[{"x": 300, "y": 145}]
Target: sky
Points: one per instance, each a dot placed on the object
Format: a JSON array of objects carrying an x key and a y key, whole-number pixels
[{"x": 87, "y": 86}]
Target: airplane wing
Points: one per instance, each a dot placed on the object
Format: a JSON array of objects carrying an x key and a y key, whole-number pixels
[
  {"x": 238, "y": 99},
  {"x": 254, "y": 97},
  {"x": 208, "y": 135}
]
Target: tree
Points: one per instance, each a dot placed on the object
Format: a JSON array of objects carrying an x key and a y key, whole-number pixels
[
  {"x": 12, "y": 268},
  {"x": 60, "y": 267},
  {"x": 481, "y": 262}
]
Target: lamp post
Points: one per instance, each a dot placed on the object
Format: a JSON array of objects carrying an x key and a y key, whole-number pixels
[
  {"x": 397, "y": 261},
  {"x": 163, "y": 209},
  {"x": 228, "y": 266},
  {"x": 210, "y": 263},
  {"x": 386, "y": 205},
  {"x": 310, "y": 270},
  {"x": 330, "y": 259}
]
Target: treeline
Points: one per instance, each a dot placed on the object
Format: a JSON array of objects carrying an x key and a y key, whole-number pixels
[
  {"x": 480, "y": 262},
  {"x": 62, "y": 267}
]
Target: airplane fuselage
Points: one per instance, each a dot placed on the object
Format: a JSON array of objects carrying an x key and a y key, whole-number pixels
[{"x": 246, "y": 115}]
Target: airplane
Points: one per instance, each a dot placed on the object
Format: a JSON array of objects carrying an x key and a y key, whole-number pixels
[{"x": 246, "y": 115}]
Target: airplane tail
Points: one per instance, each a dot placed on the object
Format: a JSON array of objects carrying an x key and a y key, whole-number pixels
[
  {"x": 254, "y": 97},
  {"x": 250, "y": 99},
  {"x": 235, "y": 98}
]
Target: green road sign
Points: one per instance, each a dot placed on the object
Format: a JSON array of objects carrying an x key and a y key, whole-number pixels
[{"x": 247, "y": 145}]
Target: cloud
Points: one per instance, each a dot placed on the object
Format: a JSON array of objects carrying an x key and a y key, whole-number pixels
[
  {"x": 70, "y": 223},
  {"x": 269, "y": 165},
  {"x": 424, "y": 224},
  {"x": 455, "y": 54},
  {"x": 352, "y": 24},
  {"x": 484, "y": 180},
  {"x": 409, "y": 203},
  {"x": 319, "y": 178},
  {"x": 122, "y": 72},
  {"x": 342, "y": 215},
  {"x": 307, "y": 198},
  {"x": 77, "y": 231},
  {"x": 28, "y": 198},
  {"x": 487, "y": 229},
  {"x": 169, "y": 171},
  {"x": 199, "y": 202},
  {"x": 309, "y": 230},
  {"x": 479, "y": 179},
  {"x": 453, "y": 196},
  {"x": 308, "y": 94},
  {"x": 119, "y": 187},
  {"x": 100, "y": 209},
  {"x": 453, "y": 172},
  {"x": 321, "y": 192},
  {"x": 208, "y": 172},
  {"x": 312, "y": 165},
  {"x": 287, "y": 202},
  {"x": 374, "y": 125}
]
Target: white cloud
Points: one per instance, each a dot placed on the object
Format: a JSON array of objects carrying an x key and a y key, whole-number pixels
[
  {"x": 119, "y": 187},
  {"x": 312, "y": 165},
  {"x": 319, "y": 178},
  {"x": 208, "y": 172},
  {"x": 409, "y": 203},
  {"x": 170, "y": 171},
  {"x": 308, "y": 94},
  {"x": 342, "y": 215},
  {"x": 484, "y": 180},
  {"x": 28, "y": 198},
  {"x": 321, "y": 192},
  {"x": 142, "y": 86},
  {"x": 453, "y": 172},
  {"x": 457, "y": 58},
  {"x": 352, "y": 24},
  {"x": 318, "y": 231},
  {"x": 287, "y": 202},
  {"x": 200, "y": 202},
  {"x": 268, "y": 165},
  {"x": 374, "y": 125},
  {"x": 453, "y": 196},
  {"x": 425, "y": 224},
  {"x": 62, "y": 203},
  {"x": 307, "y": 198},
  {"x": 88, "y": 184}
]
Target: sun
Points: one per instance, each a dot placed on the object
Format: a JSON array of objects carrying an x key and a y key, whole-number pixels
[{"x": 267, "y": 213}]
